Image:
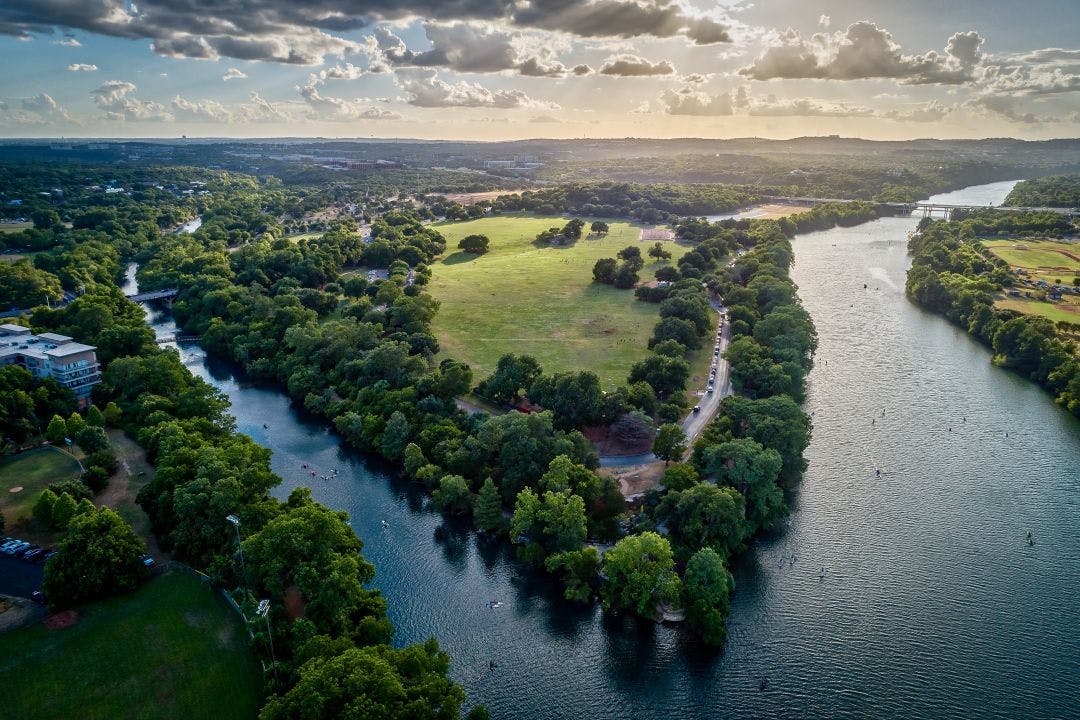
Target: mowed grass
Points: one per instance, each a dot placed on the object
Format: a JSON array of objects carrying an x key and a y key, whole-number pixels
[
  {"x": 1044, "y": 259},
  {"x": 1057, "y": 312},
  {"x": 541, "y": 301},
  {"x": 173, "y": 649},
  {"x": 32, "y": 470}
]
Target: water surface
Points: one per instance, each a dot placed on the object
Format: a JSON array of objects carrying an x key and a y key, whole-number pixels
[{"x": 932, "y": 605}]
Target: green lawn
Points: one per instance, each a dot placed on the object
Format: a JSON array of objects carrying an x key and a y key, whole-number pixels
[
  {"x": 32, "y": 471},
  {"x": 1057, "y": 312},
  {"x": 1045, "y": 259},
  {"x": 171, "y": 650},
  {"x": 541, "y": 301}
]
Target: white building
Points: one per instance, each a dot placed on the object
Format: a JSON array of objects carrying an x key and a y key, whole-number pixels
[{"x": 59, "y": 357}]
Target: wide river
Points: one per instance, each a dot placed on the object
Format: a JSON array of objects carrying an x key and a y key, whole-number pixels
[{"x": 932, "y": 604}]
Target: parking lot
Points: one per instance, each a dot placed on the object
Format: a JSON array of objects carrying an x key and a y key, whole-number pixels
[{"x": 18, "y": 577}]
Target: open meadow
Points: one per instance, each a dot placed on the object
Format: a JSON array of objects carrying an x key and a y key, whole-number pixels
[
  {"x": 1048, "y": 260},
  {"x": 541, "y": 300},
  {"x": 172, "y": 649},
  {"x": 24, "y": 476}
]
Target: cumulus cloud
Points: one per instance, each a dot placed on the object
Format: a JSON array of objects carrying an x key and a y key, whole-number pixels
[
  {"x": 328, "y": 107},
  {"x": 306, "y": 33},
  {"x": 82, "y": 67},
  {"x": 470, "y": 48},
  {"x": 824, "y": 21},
  {"x": 38, "y": 111},
  {"x": 865, "y": 50},
  {"x": 634, "y": 66},
  {"x": 115, "y": 99},
  {"x": 67, "y": 42},
  {"x": 805, "y": 107},
  {"x": 688, "y": 101},
  {"x": 932, "y": 111},
  {"x": 233, "y": 74},
  {"x": 256, "y": 110},
  {"x": 423, "y": 88}
]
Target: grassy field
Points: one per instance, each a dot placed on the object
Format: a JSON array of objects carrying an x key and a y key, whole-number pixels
[
  {"x": 31, "y": 471},
  {"x": 1069, "y": 312},
  {"x": 10, "y": 227},
  {"x": 173, "y": 649},
  {"x": 1043, "y": 259},
  {"x": 542, "y": 301}
]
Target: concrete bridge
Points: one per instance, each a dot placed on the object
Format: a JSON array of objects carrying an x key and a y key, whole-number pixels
[
  {"x": 164, "y": 294},
  {"x": 928, "y": 209}
]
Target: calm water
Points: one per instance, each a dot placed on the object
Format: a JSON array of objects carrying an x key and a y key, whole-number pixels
[{"x": 933, "y": 604}]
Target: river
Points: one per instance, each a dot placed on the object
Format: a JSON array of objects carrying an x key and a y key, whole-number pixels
[{"x": 932, "y": 605}]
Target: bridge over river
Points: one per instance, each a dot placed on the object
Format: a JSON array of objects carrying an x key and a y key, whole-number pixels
[
  {"x": 928, "y": 209},
  {"x": 163, "y": 294}
]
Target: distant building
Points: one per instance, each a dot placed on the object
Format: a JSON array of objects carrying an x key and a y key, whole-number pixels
[{"x": 69, "y": 363}]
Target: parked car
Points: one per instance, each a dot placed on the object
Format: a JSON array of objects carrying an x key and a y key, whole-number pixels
[
  {"x": 26, "y": 551},
  {"x": 33, "y": 554},
  {"x": 147, "y": 560},
  {"x": 14, "y": 547},
  {"x": 710, "y": 389},
  {"x": 697, "y": 408},
  {"x": 38, "y": 597}
]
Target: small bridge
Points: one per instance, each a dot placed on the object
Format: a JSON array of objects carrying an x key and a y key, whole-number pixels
[
  {"x": 164, "y": 294},
  {"x": 176, "y": 338}
]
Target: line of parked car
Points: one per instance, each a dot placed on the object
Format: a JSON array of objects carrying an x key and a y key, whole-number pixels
[{"x": 13, "y": 547}]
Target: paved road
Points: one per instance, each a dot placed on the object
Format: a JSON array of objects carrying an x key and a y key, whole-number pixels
[
  {"x": 709, "y": 404},
  {"x": 696, "y": 422},
  {"x": 19, "y": 578}
]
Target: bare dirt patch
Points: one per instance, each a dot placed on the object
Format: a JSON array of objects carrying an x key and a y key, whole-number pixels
[
  {"x": 635, "y": 479},
  {"x": 61, "y": 620},
  {"x": 476, "y": 197}
]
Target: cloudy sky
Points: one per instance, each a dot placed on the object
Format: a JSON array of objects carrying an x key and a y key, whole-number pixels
[{"x": 495, "y": 69}]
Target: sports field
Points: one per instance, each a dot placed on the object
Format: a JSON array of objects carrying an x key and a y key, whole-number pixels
[
  {"x": 541, "y": 301},
  {"x": 1048, "y": 260},
  {"x": 1057, "y": 312},
  {"x": 172, "y": 649},
  {"x": 24, "y": 476}
]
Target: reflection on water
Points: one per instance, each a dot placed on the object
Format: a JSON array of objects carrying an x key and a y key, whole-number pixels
[{"x": 931, "y": 605}]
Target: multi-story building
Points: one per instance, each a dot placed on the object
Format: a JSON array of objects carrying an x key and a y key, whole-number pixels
[{"x": 59, "y": 357}]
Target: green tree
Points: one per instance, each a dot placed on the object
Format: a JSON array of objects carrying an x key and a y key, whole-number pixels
[
  {"x": 657, "y": 251},
  {"x": 705, "y": 515},
  {"x": 513, "y": 374},
  {"x": 599, "y": 227},
  {"x": 640, "y": 572},
  {"x": 679, "y": 476},
  {"x": 313, "y": 549},
  {"x": 92, "y": 439},
  {"x": 63, "y": 510},
  {"x": 372, "y": 682},
  {"x": 605, "y": 270},
  {"x": 670, "y": 443},
  {"x": 580, "y": 569},
  {"x": 99, "y": 556},
  {"x": 75, "y": 425},
  {"x": 45, "y": 218},
  {"x": 488, "y": 510},
  {"x": 414, "y": 459},
  {"x": 551, "y": 523},
  {"x": 707, "y": 584},
  {"x": 57, "y": 430},
  {"x": 396, "y": 436},
  {"x": 474, "y": 244},
  {"x": 84, "y": 507},
  {"x": 665, "y": 374},
  {"x": 112, "y": 414},
  {"x": 452, "y": 496},
  {"x": 754, "y": 471},
  {"x": 95, "y": 417},
  {"x": 43, "y": 506}
]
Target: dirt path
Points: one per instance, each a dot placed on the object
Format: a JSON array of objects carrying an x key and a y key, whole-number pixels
[{"x": 124, "y": 486}]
